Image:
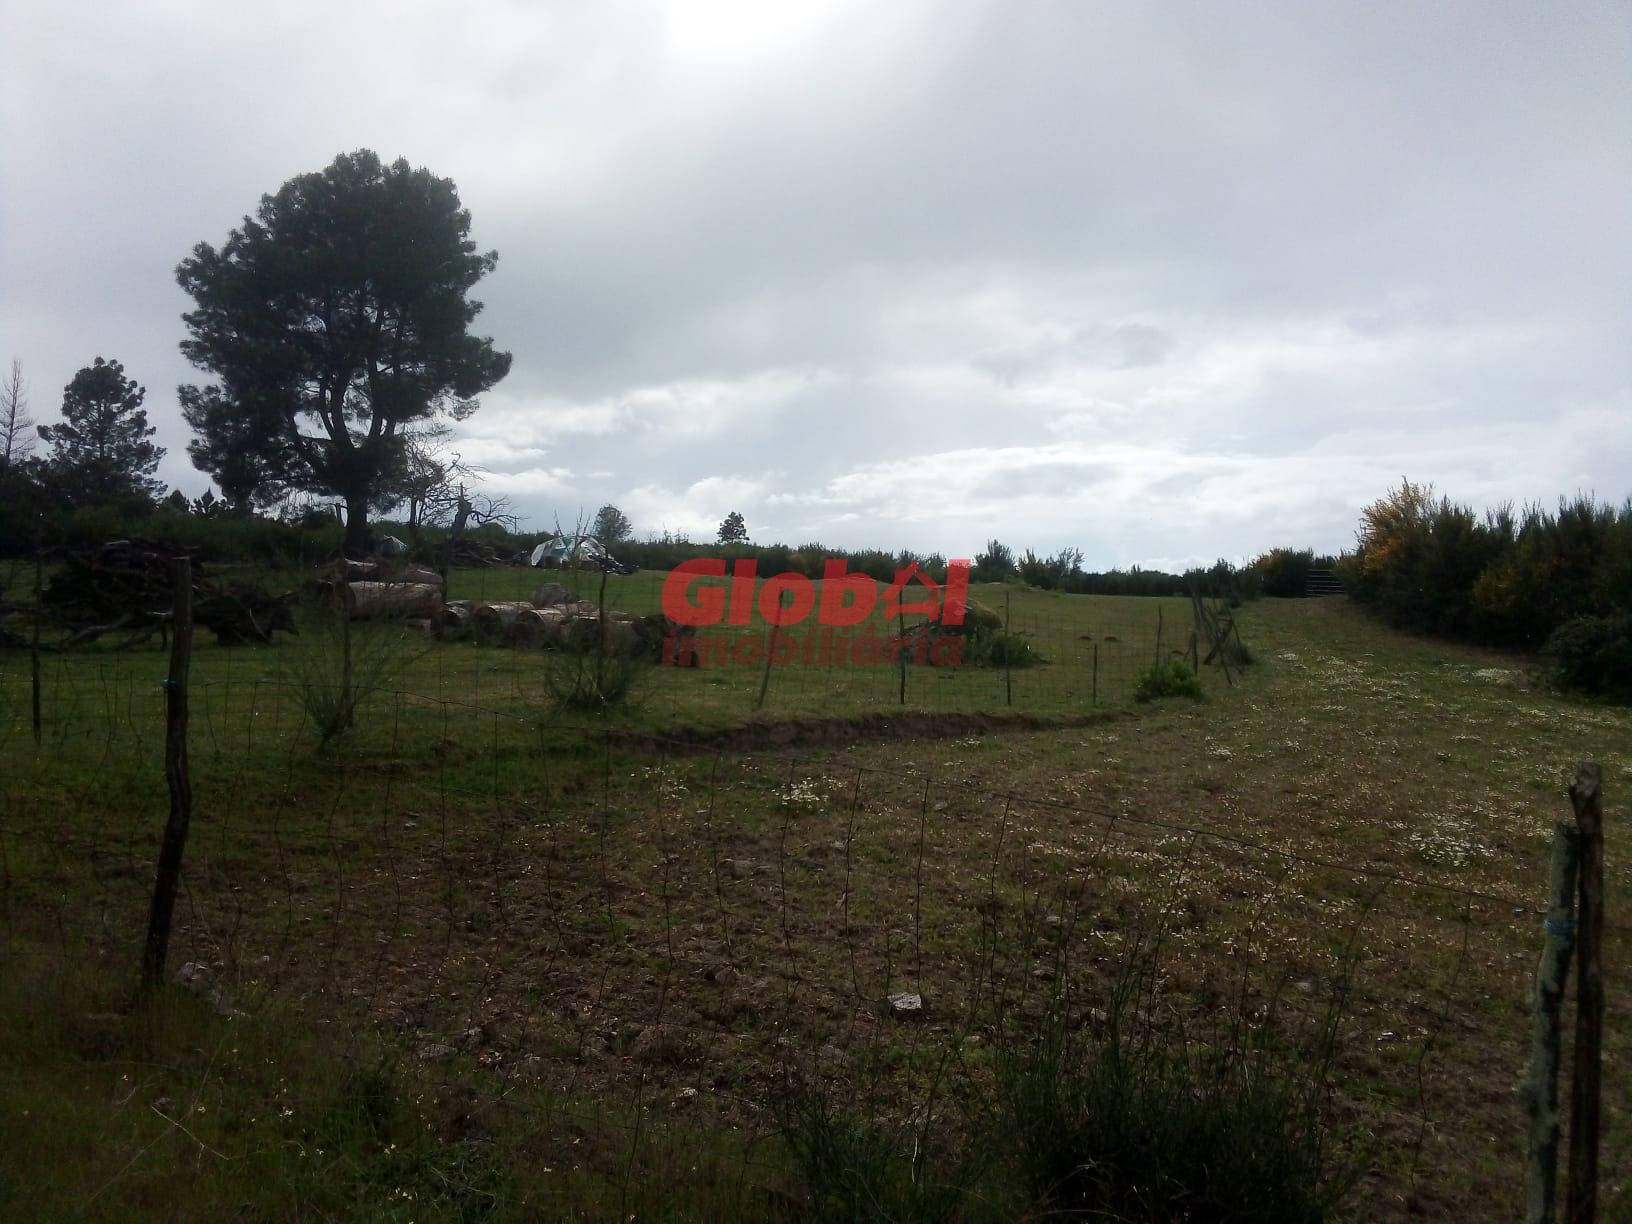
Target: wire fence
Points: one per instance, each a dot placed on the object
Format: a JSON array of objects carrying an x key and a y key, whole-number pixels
[{"x": 590, "y": 932}]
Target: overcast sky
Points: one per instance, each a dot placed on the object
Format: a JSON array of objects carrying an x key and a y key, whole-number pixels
[{"x": 1164, "y": 282}]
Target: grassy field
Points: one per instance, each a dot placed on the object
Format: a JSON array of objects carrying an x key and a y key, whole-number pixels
[
  {"x": 1093, "y": 649},
  {"x": 478, "y": 959}
]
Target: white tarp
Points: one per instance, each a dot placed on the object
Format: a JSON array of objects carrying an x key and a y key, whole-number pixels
[{"x": 568, "y": 550}]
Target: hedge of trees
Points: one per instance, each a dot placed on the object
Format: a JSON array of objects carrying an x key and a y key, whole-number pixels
[{"x": 1558, "y": 581}]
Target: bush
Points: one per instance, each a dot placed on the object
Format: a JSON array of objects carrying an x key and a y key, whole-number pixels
[
  {"x": 1593, "y": 654},
  {"x": 857, "y": 1168},
  {"x": 1508, "y": 580},
  {"x": 339, "y": 667},
  {"x": 580, "y": 676},
  {"x": 1095, "y": 1115},
  {"x": 1110, "y": 1120},
  {"x": 996, "y": 648},
  {"x": 994, "y": 564},
  {"x": 1284, "y": 572},
  {"x": 1170, "y": 678}
]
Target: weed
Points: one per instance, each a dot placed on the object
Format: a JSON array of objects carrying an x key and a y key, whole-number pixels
[
  {"x": 339, "y": 668},
  {"x": 1114, "y": 1119},
  {"x": 1169, "y": 678}
]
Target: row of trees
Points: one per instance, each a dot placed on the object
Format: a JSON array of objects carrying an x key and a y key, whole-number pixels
[
  {"x": 612, "y": 526},
  {"x": 1063, "y": 571},
  {"x": 1508, "y": 577}
]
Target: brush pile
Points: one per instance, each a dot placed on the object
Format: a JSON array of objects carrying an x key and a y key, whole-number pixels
[{"x": 126, "y": 587}]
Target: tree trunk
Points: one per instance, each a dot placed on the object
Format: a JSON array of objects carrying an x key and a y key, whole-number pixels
[{"x": 356, "y": 526}]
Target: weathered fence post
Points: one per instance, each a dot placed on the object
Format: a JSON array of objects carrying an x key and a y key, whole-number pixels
[
  {"x": 34, "y": 647},
  {"x": 1095, "y": 697},
  {"x": 1539, "y": 1091},
  {"x": 770, "y": 653},
  {"x": 1008, "y": 675},
  {"x": 177, "y": 777},
  {"x": 901, "y": 653},
  {"x": 1586, "y": 796},
  {"x": 600, "y": 645}
]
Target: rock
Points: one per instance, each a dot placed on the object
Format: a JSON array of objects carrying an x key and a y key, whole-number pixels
[
  {"x": 907, "y": 1005},
  {"x": 552, "y": 594},
  {"x": 436, "y": 1051},
  {"x": 194, "y": 977}
]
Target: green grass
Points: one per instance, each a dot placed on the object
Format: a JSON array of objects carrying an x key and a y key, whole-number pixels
[
  {"x": 119, "y": 1109},
  {"x": 1095, "y": 649},
  {"x": 621, "y": 924}
]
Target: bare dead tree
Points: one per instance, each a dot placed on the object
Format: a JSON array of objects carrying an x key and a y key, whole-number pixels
[
  {"x": 16, "y": 426},
  {"x": 472, "y": 507}
]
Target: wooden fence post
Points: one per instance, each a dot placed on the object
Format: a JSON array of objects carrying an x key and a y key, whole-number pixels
[
  {"x": 34, "y": 647},
  {"x": 1586, "y": 796},
  {"x": 1008, "y": 675},
  {"x": 1539, "y": 1091},
  {"x": 901, "y": 654},
  {"x": 177, "y": 776},
  {"x": 1095, "y": 698}
]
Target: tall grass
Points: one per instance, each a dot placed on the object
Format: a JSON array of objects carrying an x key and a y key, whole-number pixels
[{"x": 1099, "y": 1113}]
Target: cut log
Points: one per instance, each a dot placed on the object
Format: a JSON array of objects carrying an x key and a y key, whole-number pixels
[
  {"x": 583, "y": 632},
  {"x": 384, "y": 600},
  {"x": 455, "y": 621},
  {"x": 494, "y": 622},
  {"x": 379, "y": 571},
  {"x": 551, "y": 626}
]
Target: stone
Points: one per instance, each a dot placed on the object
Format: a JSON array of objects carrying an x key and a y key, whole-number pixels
[
  {"x": 907, "y": 1005},
  {"x": 194, "y": 977},
  {"x": 551, "y": 595}
]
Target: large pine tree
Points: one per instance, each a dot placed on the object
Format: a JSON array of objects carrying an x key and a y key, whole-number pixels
[
  {"x": 336, "y": 321},
  {"x": 102, "y": 451}
]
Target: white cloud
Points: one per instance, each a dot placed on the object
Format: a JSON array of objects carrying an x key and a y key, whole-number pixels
[{"x": 1158, "y": 283}]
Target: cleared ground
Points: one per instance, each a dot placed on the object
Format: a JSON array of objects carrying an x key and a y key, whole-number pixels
[{"x": 599, "y": 953}]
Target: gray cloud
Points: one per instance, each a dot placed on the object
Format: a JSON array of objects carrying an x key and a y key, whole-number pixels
[{"x": 1164, "y": 282}]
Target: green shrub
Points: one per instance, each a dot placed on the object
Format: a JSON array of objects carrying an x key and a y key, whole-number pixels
[
  {"x": 1284, "y": 572},
  {"x": 1593, "y": 654},
  {"x": 858, "y": 1168},
  {"x": 997, "y": 648},
  {"x": 1095, "y": 1115},
  {"x": 338, "y": 667},
  {"x": 580, "y": 676},
  {"x": 1508, "y": 579},
  {"x": 1110, "y": 1119},
  {"x": 1170, "y": 678}
]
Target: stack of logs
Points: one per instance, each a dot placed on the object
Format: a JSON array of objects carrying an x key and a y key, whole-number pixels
[
  {"x": 379, "y": 589},
  {"x": 553, "y": 618}
]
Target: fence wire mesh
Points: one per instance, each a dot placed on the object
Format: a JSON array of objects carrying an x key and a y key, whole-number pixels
[{"x": 618, "y": 940}]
